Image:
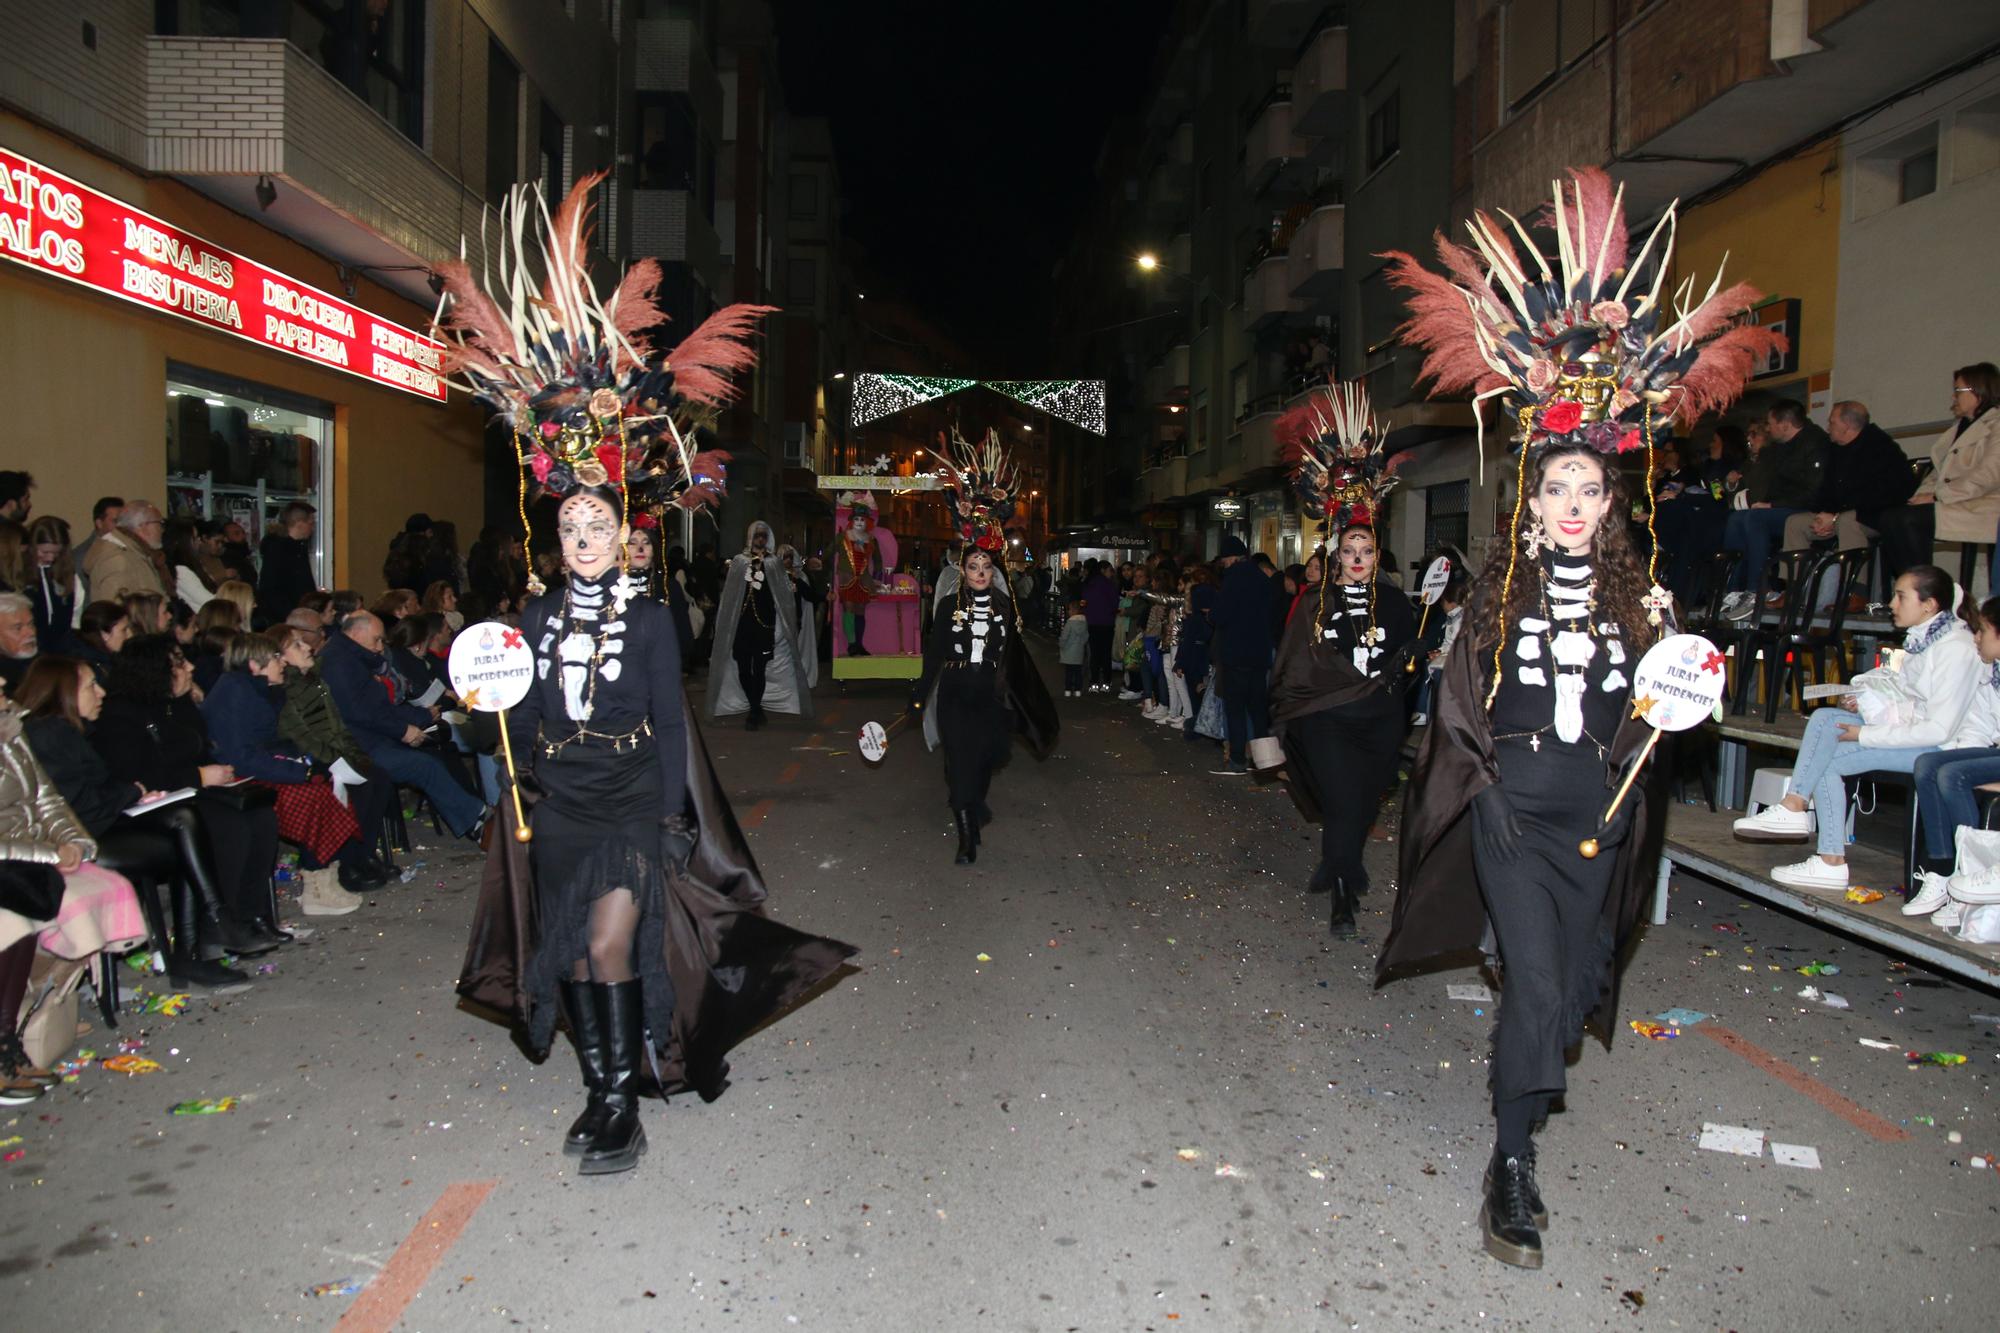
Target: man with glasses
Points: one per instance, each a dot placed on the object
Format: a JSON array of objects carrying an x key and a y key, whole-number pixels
[{"x": 121, "y": 561}]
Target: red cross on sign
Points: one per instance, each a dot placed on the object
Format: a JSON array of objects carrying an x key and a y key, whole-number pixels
[
  {"x": 511, "y": 638},
  {"x": 1713, "y": 663}
]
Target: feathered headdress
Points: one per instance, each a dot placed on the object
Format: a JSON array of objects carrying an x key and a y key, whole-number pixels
[
  {"x": 979, "y": 486},
  {"x": 1333, "y": 446},
  {"x": 589, "y": 398},
  {"x": 1582, "y": 353}
]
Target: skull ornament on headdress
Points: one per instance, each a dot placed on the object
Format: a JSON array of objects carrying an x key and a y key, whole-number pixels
[
  {"x": 979, "y": 486},
  {"x": 1333, "y": 445}
]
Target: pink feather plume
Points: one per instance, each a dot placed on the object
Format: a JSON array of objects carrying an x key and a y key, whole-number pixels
[
  {"x": 1725, "y": 365},
  {"x": 1443, "y": 324},
  {"x": 635, "y": 307},
  {"x": 569, "y": 236},
  {"x": 706, "y": 359}
]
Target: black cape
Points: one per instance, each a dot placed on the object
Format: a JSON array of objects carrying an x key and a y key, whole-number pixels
[
  {"x": 1024, "y": 693},
  {"x": 1305, "y": 679},
  {"x": 1440, "y": 917},
  {"x": 733, "y": 967}
]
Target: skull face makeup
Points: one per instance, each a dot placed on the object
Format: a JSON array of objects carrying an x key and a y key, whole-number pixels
[
  {"x": 590, "y": 534},
  {"x": 1572, "y": 501}
]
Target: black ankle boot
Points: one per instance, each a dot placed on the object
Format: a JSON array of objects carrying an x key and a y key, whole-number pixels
[
  {"x": 222, "y": 935},
  {"x": 968, "y": 837},
  {"x": 1343, "y": 911},
  {"x": 586, "y": 1033},
  {"x": 622, "y": 1141},
  {"x": 1507, "y": 1221}
]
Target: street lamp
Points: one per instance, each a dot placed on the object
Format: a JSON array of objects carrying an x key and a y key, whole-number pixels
[{"x": 1148, "y": 261}]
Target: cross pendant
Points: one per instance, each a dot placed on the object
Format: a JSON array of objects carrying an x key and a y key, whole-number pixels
[{"x": 1535, "y": 743}]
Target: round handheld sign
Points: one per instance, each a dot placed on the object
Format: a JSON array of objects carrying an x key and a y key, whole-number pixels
[
  {"x": 1679, "y": 682},
  {"x": 491, "y": 666},
  {"x": 1435, "y": 579},
  {"x": 874, "y": 742}
]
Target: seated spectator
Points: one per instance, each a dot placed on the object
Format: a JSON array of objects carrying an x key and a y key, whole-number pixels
[
  {"x": 1947, "y": 780},
  {"x": 19, "y": 640},
  {"x": 1938, "y": 672},
  {"x": 52, "y": 583},
  {"x": 287, "y": 572},
  {"x": 214, "y": 626},
  {"x": 394, "y": 605},
  {"x": 62, "y": 698},
  {"x": 343, "y": 602},
  {"x": 442, "y": 598},
  {"x": 242, "y": 713},
  {"x": 121, "y": 561},
  {"x": 151, "y": 731},
  {"x": 242, "y": 596},
  {"x": 1691, "y": 515},
  {"x": 1796, "y": 461},
  {"x": 310, "y": 724},
  {"x": 1866, "y": 473},
  {"x": 101, "y": 631},
  {"x": 1960, "y": 500},
  {"x": 390, "y": 728},
  {"x": 320, "y": 603},
  {"x": 149, "y": 613},
  {"x": 197, "y": 571},
  {"x": 418, "y": 646},
  {"x": 52, "y": 897}
]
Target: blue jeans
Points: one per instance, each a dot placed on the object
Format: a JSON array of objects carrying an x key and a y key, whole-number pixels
[
  {"x": 1246, "y": 707},
  {"x": 426, "y": 772},
  {"x": 1824, "y": 760},
  {"x": 1756, "y": 533},
  {"x": 1944, "y": 793}
]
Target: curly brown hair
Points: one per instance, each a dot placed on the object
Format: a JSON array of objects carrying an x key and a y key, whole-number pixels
[{"x": 1620, "y": 574}]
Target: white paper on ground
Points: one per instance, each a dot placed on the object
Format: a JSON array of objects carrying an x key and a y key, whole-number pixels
[
  {"x": 1468, "y": 990},
  {"x": 1877, "y": 1045},
  {"x": 1832, "y": 1001},
  {"x": 1733, "y": 1138},
  {"x": 1796, "y": 1154}
]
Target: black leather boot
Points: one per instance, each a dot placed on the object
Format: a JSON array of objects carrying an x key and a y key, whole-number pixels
[
  {"x": 622, "y": 1141},
  {"x": 1507, "y": 1221},
  {"x": 1343, "y": 911},
  {"x": 586, "y": 1033},
  {"x": 968, "y": 837},
  {"x": 219, "y": 932},
  {"x": 186, "y": 965}
]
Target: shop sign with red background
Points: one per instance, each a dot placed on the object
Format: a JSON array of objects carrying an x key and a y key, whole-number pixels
[{"x": 61, "y": 227}]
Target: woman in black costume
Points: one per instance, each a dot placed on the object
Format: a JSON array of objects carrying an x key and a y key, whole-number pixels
[
  {"x": 1532, "y": 730},
  {"x": 1337, "y": 686},
  {"x": 639, "y": 905}
]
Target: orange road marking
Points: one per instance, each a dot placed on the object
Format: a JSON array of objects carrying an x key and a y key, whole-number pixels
[
  {"x": 1799, "y": 1081},
  {"x": 759, "y": 813},
  {"x": 380, "y": 1305},
  {"x": 791, "y": 773}
]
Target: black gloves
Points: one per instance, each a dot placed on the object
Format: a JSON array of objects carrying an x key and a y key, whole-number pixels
[
  {"x": 1494, "y": 825},
  {"x": 677, "y": 837}
]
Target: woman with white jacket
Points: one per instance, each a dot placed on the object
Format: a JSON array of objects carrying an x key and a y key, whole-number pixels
[
  {"x": 1936, "y": 671},
  {"x": 1960, "y": 500},
  {"x": 1947, "y": 780}
]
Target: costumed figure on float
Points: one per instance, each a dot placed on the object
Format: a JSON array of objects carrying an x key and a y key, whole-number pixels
[
  {"x": 1534, "y": 711},
  {"x": 758, "y": 618},
  {"x": 1337, "y": 685},
  {"x": 978, "y": 685},
  {"x": 862, "y": 574},
  {"x": 629, "y": 894}
]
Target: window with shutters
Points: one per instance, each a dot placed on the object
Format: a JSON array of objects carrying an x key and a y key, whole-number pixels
[{"x": 1542, "y": 38}]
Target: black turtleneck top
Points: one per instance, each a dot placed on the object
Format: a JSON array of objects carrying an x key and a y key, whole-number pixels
[{"x": 1565, "y": 674}]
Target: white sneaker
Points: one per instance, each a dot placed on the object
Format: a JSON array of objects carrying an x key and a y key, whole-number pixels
[
  {"x": 1421, "y": 720},
  {"x": 1812, "y": 873},
  {"x": 1169, "y": 719},
  {"x": 1949, "y": 917},
  {"x": 1738, "y": 605},
  {"x": 1126, "y": 696},
  {"x": 1975, "y": 888},
  {"x": 1930, "y": 894},
  {"x": 1775, "y": 823}
]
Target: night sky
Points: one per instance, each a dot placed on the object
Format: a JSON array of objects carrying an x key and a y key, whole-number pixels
[{"x": 966, "y": 136}]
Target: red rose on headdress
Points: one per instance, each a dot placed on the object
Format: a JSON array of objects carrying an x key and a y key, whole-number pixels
[
  {"x": 990, "y": 541},
  {"x": 1631, "y": 440},
  {"x": 1562, "y": 418},
  {"x": 645, "y": 523},
  {"x": 550, "y": 430},
  {"x": 540, "y": 465},
  {"x": 612, "y": 458}
]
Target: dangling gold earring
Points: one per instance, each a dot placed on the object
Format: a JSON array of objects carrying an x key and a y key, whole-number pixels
[{"x": 1535, "y": 537}]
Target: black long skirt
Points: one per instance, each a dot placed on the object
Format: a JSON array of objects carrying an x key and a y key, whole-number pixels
[{"x": 974, "y": 731}]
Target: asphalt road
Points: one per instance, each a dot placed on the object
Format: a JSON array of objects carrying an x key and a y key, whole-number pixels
[{"x": 1116, "y": 1076}]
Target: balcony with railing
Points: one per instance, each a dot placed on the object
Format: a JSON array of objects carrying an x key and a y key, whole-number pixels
[
  {"x": 1267, "y": 292},
  {"x": 1319, "y": 84},
  {"x": 1317, "y": 253},
  {"x": 1274, "y": 157}
]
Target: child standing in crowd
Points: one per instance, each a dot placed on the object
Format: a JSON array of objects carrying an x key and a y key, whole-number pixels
[{"x": 1074, "y": 650}]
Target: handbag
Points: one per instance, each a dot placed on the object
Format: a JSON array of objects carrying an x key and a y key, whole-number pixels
[{"x": 31, "y": 889}]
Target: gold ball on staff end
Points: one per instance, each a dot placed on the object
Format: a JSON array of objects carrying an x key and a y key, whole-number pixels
[
  {"x": 1588, "y": 847},
  {"x": 525, "y": 834}
]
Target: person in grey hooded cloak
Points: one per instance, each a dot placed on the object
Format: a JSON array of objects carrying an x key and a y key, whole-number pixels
[{"x": 757, "y": 625}]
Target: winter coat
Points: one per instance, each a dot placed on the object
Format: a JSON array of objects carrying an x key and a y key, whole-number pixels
[
  {"x": 80, "y": 773},
  {"x": 1979, "y": 729},
  {"x": 1074, "y": 646},
  {"x": 1938, "y": 681},
  {"x": 35, "y": 820},
  {"x": 1865, "y": 476},
  {"x": 1243, "y": 618},
  {"x": 364, "y": 692},
  {"x": 118, "y": 567},
  {"x": 1100, "y": 600},
  {"x": 56, "y": 609},
  {"x": 1797, "y": 466},
  {"x": 310, "y": 724},
  {"x": 1966, "y": 479},
  {"x": 159, "y": 743},
  {"x": 287, "y": 576},
  {"x": 242, "y": 713},
  {"x": 1196, "y": 635}
]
